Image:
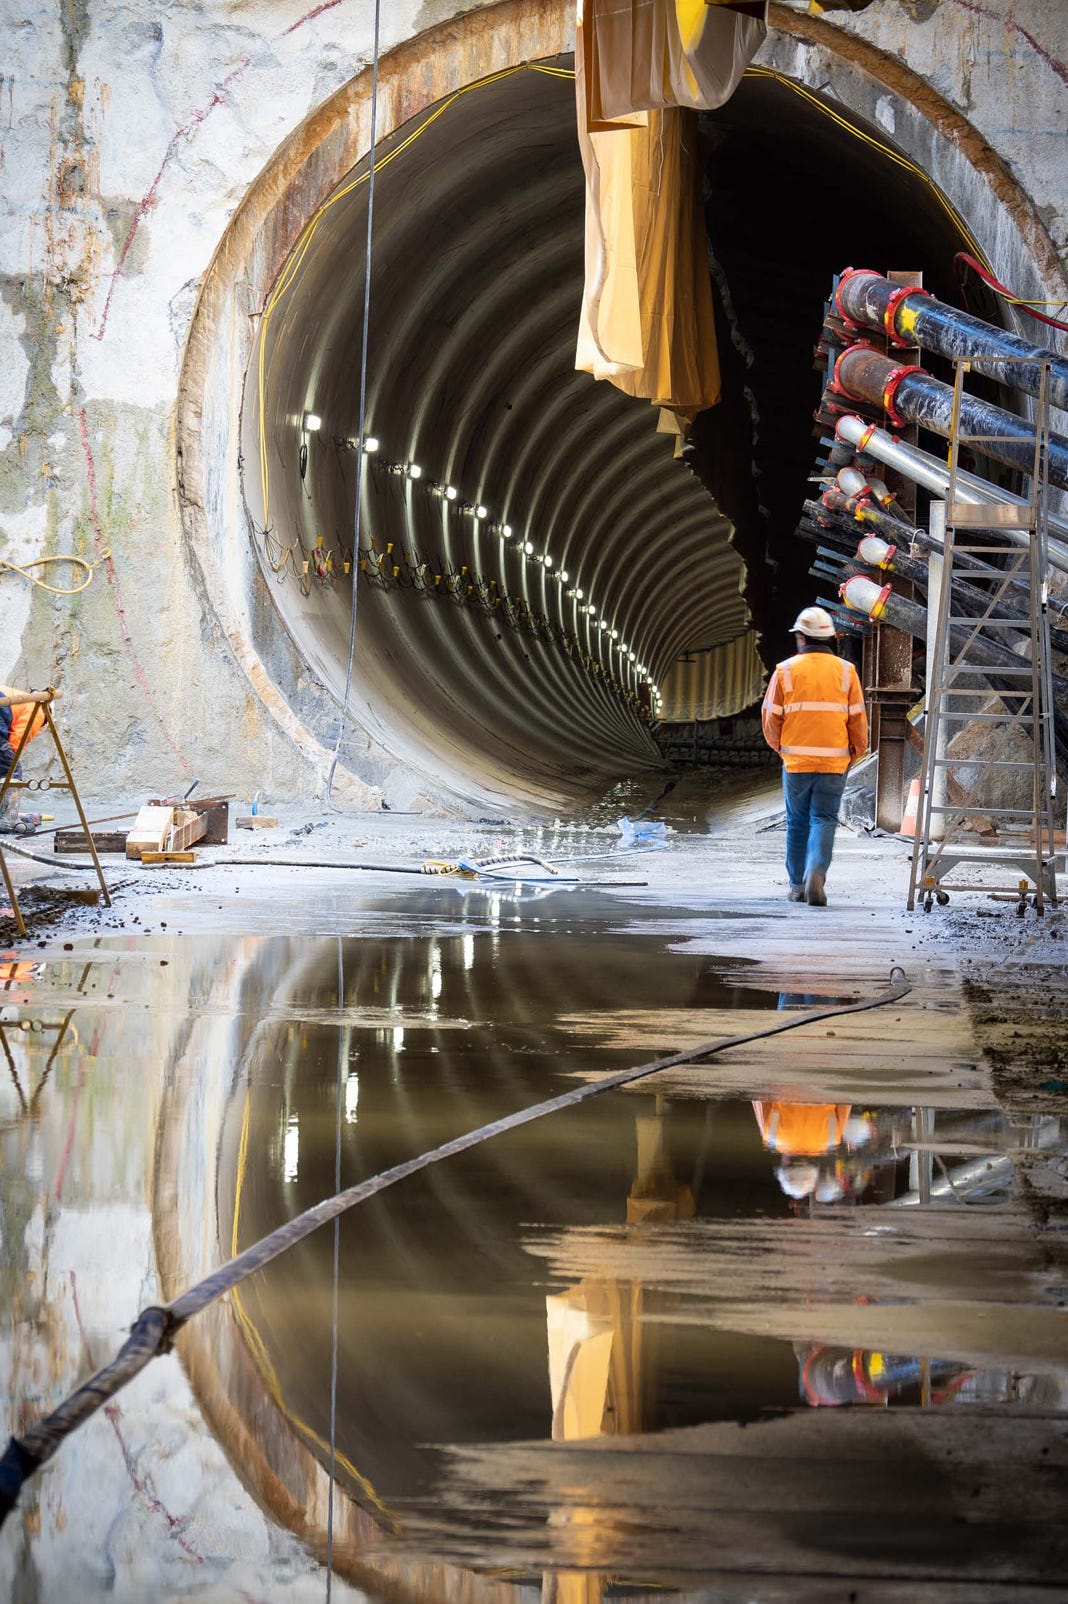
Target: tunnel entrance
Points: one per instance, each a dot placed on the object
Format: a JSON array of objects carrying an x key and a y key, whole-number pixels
[{"x": 535, "y": 557}]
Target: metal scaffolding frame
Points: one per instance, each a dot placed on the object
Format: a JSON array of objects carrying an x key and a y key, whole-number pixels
[{"x": 964, "y": 687}]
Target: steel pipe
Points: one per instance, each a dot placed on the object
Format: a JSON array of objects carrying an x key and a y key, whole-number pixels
[
  {"x": 874, "y": 552},
  {"x": 913, "y": 396},
  {"x": 910, "y": 316},
  {"x": 880, "y": 604},
  {"x": 924, "y": 469},
  {"x": 837, "y": 516}
]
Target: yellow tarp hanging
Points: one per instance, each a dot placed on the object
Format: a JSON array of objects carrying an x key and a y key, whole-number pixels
[{"x": 643, "y": 68}]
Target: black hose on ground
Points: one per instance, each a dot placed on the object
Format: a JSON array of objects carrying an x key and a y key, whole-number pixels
[{"x": 156, "y": 1327}]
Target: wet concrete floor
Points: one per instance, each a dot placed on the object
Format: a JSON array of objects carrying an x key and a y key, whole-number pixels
[{"x": 781, "y": 1324}]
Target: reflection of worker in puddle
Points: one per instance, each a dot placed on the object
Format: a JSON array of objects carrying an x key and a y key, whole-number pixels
[
  {"x": 600, "y": 1369},
  {"x": 815, "y": 1143},
  {"x": 12, "y": 970}
]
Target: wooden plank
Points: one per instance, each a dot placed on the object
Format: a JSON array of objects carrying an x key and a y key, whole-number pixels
[
  {"x": 150, "y": 831},
  {"x": 187, "y": 828},
  {"x": 75, "y": 841},
  {"x": 215, "y": 811},
  {"x": 153, "y": 860},
  {"x": 256, "y": 821}
]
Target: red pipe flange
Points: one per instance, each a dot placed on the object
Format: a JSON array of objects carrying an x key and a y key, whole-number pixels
[
  {"x": 843, "y": 278},
  {"x": 893, "y": 379}
]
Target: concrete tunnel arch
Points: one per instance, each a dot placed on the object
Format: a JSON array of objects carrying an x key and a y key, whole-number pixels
[{"x": 475, "y": 292}]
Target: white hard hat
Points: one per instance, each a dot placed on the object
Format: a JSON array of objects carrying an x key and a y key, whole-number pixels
[
  {"x": 814, "y": 622},
  {"x": 797, "y": 1180},
  {"x": 857, "y": 1131}
]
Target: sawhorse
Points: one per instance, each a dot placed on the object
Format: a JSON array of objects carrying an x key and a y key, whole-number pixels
[{"x": 43, "y": 700}]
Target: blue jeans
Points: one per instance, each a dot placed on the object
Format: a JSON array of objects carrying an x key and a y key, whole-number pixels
[{"x": 812, "y": 802}]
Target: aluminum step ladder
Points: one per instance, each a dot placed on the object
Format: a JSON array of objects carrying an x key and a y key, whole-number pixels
[{"x": 1009, "y": 706}]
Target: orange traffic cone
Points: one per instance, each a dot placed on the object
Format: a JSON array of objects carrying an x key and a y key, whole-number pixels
[{"x": 912, "y": 808}]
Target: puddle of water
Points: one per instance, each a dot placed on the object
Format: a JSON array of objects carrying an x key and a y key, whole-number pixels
[{"x": 164, "y": 1102}]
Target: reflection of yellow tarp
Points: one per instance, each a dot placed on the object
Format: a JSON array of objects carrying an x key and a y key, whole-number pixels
[{"x": 643, "y": 67}]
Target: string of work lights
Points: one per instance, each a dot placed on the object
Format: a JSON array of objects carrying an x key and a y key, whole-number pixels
[{"x": 320, "y": 564}]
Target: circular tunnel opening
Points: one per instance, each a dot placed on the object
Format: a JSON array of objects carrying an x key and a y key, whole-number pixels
[{"x": 534, "y": 555}]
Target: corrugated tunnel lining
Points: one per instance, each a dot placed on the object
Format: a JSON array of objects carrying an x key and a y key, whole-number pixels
[
  {"x": 475, "y": 292},
  {"x": 476, "y": 283}
]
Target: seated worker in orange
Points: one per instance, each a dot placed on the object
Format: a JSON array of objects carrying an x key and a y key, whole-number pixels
[
  {"x": 13, "y": 720},
  {"x": 813, "y": 716}
]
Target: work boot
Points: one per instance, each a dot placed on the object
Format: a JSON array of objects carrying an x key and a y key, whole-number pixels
[
  {"x": 814, "y": 892},
  {"x": 796, "y": 894}
]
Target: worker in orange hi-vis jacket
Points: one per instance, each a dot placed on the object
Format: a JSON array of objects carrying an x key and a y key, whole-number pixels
[
  {"x": 813, "y": 716},
  {"x": 13, "y": 720}
]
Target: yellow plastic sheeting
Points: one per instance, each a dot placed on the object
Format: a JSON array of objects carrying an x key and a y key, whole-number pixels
[
  {"x": 646, "y": 55},
  {"x": 643, "y": 67}
]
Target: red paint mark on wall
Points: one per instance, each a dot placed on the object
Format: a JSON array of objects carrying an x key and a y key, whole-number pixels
[
  {"x": 151, "y": 195},
  {"x": 187, "y": 130},
  {"x": 116, "y": 589},
  {"x": 309, "y": 16},
  {"x": 1051, "y": 61},
  {"x": 142, "y": 1485}
]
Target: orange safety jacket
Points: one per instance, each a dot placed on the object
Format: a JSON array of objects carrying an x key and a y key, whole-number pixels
[
  {"x": 813, "y": 714},
  {"x": 13, "y": 720},
  {"x": 802, "y": 1129}
]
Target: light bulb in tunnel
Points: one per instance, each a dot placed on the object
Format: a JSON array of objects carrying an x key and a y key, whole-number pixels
[
  {"x": 414, "y": 471},
  {"x": 591, "y": 609},
  {"x": 506, "y": 531},
  {"x": 451, "y": 492},
  {"x": 312, "y": 422},
  {"x": 563, "y": 576},
  {"x": 615, "y": 634},
  {"x": 631, "y": 656},
  {"x": 480, "y": 511},
  {"x": 370, "y": 444},
  {"x": 547, "y": 560},
  {"x": 528, "y": 547},
  {"x": 578, "y": 595}
]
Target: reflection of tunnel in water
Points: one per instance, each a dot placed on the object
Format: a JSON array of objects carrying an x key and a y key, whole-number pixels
[
  {"x": 443, "y": 1324},
  {"x": 475, "y": 294},
  {"x": 443, "y": 1317}
]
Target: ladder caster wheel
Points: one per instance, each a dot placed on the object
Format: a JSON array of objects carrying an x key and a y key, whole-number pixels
[
  {"x": 943, "y": 898},
  {"x": 1021, "y": 909},
  {"x": 928, "y": 903}
]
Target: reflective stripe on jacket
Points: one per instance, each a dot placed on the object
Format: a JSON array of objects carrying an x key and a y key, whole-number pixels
[{"x": 813, "y": 714}]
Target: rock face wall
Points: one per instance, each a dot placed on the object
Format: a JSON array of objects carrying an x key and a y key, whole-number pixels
[{"x": 129, "y": 136}]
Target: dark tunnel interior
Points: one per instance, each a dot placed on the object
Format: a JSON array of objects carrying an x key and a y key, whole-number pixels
[{"x": 510, "y": 640}]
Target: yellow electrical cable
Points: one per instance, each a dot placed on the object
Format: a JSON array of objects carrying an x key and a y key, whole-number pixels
[
  {"x": 296, "y": 260},
  {"x": 44, "y": 562},
  {"x": 888, "y": 151}
]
